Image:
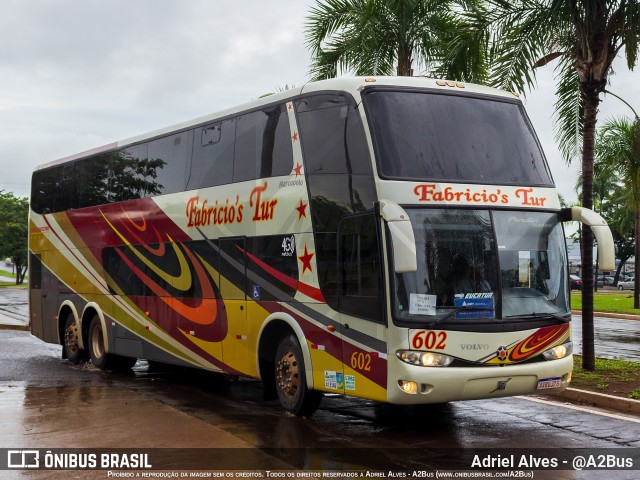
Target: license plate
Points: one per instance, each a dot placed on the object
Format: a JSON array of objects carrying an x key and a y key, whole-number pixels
[{"x": 549, "y": 383}]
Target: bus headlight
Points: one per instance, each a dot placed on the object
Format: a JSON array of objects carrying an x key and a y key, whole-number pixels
[
  {"x": 559, "y": 351},
  {"x": 408, "y": 386},
  {"x": 424, "y": 359}
]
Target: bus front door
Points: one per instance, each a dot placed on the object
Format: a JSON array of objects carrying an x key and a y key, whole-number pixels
[{"x": 362, "y": 308}]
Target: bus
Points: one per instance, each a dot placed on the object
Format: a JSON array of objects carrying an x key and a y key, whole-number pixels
[{"x": 394, "y": 239}]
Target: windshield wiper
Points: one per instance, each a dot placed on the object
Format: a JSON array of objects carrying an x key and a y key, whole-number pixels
[
  {"x": 456, "y": 310},
  {"x": 544, "y": 316}
]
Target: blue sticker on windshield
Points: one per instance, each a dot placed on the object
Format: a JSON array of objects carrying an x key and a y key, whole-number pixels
[{"x": 469, "y": 302}]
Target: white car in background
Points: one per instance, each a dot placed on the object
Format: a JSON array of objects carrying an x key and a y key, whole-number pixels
[{"x": 628, "y": 285}]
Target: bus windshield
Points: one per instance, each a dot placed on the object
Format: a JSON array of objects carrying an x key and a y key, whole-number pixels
[
  {"x": 417, "y": 136},
  {"x": 484, "y": 265}
]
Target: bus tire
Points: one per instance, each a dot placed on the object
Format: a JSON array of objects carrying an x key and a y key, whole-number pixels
[
  {"x": 71, "y": 342},
  {"x": 291, "y": 384},
  {"x": 95, "y": 340},
  {"x": 99, "y": 357}
]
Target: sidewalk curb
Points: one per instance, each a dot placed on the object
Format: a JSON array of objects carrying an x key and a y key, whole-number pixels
[
  {"x": 24, "y": 328},
  {"x": 611, "y": 402},
  {"x": 620, "y": 316}
]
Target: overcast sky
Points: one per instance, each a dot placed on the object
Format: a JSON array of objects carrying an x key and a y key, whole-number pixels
[{"x": 77, "y": 74}]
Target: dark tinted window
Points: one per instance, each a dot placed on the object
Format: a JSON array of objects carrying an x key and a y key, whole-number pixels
[
  {"x": 422, "y": 136},
  {"x": 232, "y": 269},
  {"x": 332, "y": 135},
  {"x": 121, "y": 277},
  {"x": 272, "y": 267},
  {"x": 67, "y": 194},
  {"x": 44, "y": 185},
  {"x": 35, "y": 271},
  {"x": 360, "y": 276},
  {"x": 334, "y": 196},
  {"x": 93, "y": 182},
  {"x": 339, "y": 175},
  {"x": 169, "y": 155},
  {"x": 156, "y": 270},
  {"x": 207, "y": 253},
  {"x": 213, "y": 151},
  {"x": 132, "y": 174},
  {"x": 263, "y": 144}
]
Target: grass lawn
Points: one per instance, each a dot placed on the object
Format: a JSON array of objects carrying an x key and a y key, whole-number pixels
[
  {"x": 4, "y": 273},
  {"x": 613, "y": 377},
  {"x": 13, "y": 285},
  {"x": 607, "y": 302}
]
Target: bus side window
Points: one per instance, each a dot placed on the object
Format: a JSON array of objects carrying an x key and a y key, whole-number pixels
[
  {"x": 359, "y": 259},
  {"x": 168, "y": 157},
  {"x": 339, "y": 175},
  {"x": 272, "y": 267},
  {"x": 213, "y": 152},
  {"x": 263, "y": 147},
  {"x": 333, "y": 138},
  {"x": 68, "y": 193},
  {"x": 43, "y": 190},
  {"x": 94, "y": 181}
]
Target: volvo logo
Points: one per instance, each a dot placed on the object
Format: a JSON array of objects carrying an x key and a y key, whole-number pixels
[{"x": 474, "y": 346}]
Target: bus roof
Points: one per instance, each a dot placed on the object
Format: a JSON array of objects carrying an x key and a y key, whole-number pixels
[{"x": 351, "y": 85}]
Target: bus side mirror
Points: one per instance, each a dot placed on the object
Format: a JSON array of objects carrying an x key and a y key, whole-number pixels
[
  {"x": 600, "y": 229},
  {"x": 402, "y": 239}
]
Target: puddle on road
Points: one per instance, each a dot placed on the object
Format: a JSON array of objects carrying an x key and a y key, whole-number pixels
[{"x": 119, "y": 418}]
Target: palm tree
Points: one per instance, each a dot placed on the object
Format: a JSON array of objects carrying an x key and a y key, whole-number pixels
[
  {"x": 618, "y": 146},
  {"x": 585, "y": 36},
  {"x": 383, "y": 37}
]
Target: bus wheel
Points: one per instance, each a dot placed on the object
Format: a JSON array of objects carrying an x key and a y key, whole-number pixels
[
  {"x": 99, "y": 357},
  {"x": 291, "y": 383},
  {"x": 72, "y": 350}
]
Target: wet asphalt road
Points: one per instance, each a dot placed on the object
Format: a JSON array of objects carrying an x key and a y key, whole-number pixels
[{"x": 613, "y": 338}]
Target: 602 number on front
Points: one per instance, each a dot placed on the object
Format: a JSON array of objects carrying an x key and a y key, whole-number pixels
[{"x": 428, "y": 340}]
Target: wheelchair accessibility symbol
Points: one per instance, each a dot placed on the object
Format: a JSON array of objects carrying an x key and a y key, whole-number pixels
[{"x": 255, "y": 294}]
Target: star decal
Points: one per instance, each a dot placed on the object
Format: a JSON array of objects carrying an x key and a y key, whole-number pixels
[
  {"x": 298, "y": 169},
  {"x": 306, "y": 260},
  {"x": 289, "y": 106},
  {"x": 302, "y": 210},
  {"x": 294, "y": 137}
]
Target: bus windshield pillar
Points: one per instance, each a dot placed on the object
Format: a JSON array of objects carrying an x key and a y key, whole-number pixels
[{"x": 402, "y": 238}]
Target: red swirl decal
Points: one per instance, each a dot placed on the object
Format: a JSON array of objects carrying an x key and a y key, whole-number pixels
[{"x": 538, "y": 342}]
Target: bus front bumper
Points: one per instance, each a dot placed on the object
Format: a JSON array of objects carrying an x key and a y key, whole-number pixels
[{"x": 410, "y": 384}]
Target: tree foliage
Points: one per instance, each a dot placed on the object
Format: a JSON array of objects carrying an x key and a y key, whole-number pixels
[
  {"x": 14, "y": 232},
  {"x": 618, "y": 149},
  {"x": 386, "y": 37}
]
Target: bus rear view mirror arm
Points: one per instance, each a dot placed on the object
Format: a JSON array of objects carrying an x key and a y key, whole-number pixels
[
  {"x": 600, "y": 229},
  {"x": 402, "y": 238}
]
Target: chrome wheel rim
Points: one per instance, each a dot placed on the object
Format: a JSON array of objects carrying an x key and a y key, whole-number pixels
[
  {"x": 287, "y": 374},
  {"x": 97, "y": 345},
  {"x": 71, "y": 338}
]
